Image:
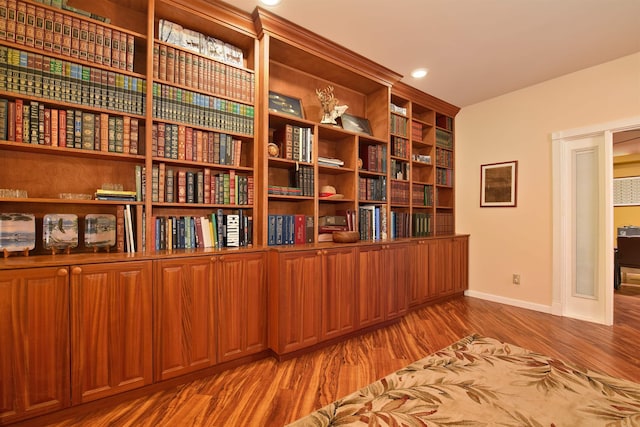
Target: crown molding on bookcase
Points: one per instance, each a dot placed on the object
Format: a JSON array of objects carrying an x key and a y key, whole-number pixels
[
  {"x": 220, "y": 13},
  {"x": 424, "y": 99},
  {"x": 302, "y": 39}
]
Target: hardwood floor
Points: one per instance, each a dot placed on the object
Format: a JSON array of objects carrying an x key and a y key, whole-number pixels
[{"x": 271, "y": 393}]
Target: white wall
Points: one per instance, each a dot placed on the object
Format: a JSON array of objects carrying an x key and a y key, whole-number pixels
[{"x": 518, "y": 126}]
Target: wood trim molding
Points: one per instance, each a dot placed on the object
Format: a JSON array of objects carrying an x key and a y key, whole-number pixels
[
  {"x": 295, "y": 35},
  {"x": 418, "y": 97}
]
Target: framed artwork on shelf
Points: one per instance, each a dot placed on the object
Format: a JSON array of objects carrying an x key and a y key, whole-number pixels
[
  {"x": 100, "y": 230},
  {"x": 285, "y": 104},
  {"x": 499, "y": 184},
  {"x": 355, "y": 124},
  {"x": 60, "y": 231},
  {"x": 17, "y": 232}
]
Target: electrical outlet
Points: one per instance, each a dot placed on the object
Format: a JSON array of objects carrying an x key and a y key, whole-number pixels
[{"x": 516, "y": 279}]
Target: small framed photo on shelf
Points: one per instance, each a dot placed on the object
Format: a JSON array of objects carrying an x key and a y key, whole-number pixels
[
  {"x": 17, "y": 232},
  {"x": 285, "y": 104},
  {"x": 355, "y": 124},
  {"x": 60, "y": 231},
  {"x": 100, "y": 230},
  {"x": 499, "y": 184}
]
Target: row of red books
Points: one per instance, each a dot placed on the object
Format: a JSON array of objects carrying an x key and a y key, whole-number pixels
[
  {"x": 66, "y": 33},
  {"x": 175, "y": 65}
]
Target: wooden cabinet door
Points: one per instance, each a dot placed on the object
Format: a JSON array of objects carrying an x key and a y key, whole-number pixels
[
  {"x": 339, "y": 297},
  {"x": 241, "y": 290},
  {"x": 34, "y": 342},
  {"x": 422, "y": 272},
  {"x": 295, "y": 292},
  {"x": 110, "y": 329},
  {"x": 184, "y": 304},
  {"x": 460, "y": 263},
  {"x": 371, "y": 286},
  {"x": 444, "y": 267},
  {"x": 396, "y": 275}
]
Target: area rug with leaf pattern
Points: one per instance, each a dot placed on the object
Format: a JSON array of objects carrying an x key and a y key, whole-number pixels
[{"x": 480, "y": 381}]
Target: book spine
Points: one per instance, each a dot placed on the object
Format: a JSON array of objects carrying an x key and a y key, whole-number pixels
[
  {"x": 130, "y": 52},
  {"x": 58, "y": 23},
  {"x": 120, "y": 229},
  {"x": 11, "y": 121},
  {"x": 21, "y": 20},
  {"x": 135, "y": 136},
  {"x": 97, "y": 124},
  {"x": 115, "y": 48},
  {"x": 119, "y": 134},
  {"x": 30, "y": 30},
  {"x": 19, "y": 121},
  {"x": 126, "y": 134},
  {"x": 62, "y": 124},
  {"x": 75, "y": 37},
  {"x": 91, "y": 42},
  {"x": 4, "y": 113},
  {"x": 106, "y": 47},
  {"x": 49, "y": 17},
  {"x": 182, "y": 186},
  {"x": 12, "y": 10},
  {"x": 88, "y": 131},
  {"x": 77, "y": 128},
  {"x": 3, "y": 19},
  {"x": 161, "y": 182},
  {"x": 26, "y": 123},
  {"x": 46, "y": 126},
  {"x": 104, "y": 132}
]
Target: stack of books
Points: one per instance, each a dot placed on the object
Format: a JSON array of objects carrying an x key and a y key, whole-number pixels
[
  {"x": 327, "y": 161},
  {"x": 122, "y": 195}
]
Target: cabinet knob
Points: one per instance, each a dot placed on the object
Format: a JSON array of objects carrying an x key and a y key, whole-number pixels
[
  {"x": 214, "y": 259},
  {"x": 62, "y": 272},
  {"x": 319, "y": 253},
  {"x": 221, "y": 259},
  {"x": 76, "y": 270}
]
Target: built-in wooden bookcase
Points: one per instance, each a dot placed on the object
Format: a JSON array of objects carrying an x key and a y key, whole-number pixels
[
  {"x": 151, "y": 95},
  {"x": 430, "y": 134},
  {"x": 206, "y": 107},
  {"x": 401, "y": 171},
  {"x": 296, "y": 63},
  {"x": 52, "y": 65}
]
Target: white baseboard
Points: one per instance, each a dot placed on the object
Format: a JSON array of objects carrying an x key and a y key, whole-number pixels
[{"x": 510, "y": 301}]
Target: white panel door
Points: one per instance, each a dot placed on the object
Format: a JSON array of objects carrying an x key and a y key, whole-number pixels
[{"x": 586, "y": 269}]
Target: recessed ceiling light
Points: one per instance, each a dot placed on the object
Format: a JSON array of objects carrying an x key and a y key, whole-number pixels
[
  {"x": 419, "y": 73},
  {"x": 270, "y": 2}
]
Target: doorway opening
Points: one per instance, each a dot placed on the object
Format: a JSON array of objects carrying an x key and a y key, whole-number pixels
[
  {"x": 583, "y": 232},
  {"x": 626, "y": 210}
]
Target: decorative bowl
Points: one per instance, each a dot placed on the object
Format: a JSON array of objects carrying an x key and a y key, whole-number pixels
[{"x": 346, "y": 236}]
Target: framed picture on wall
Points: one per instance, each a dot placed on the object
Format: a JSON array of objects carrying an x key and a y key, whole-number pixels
[{"x": 499, "y": 184}]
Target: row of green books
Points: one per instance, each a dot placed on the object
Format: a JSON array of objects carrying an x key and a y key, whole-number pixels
[
  {"x": 198, "y": 109},
  {"x": 33, "y": 74}
]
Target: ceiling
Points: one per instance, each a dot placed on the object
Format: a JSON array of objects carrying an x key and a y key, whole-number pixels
[{"x": 474, "y": 49}]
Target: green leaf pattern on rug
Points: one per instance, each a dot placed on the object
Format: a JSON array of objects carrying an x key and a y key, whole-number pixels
[{"x": 480, "y": 381}]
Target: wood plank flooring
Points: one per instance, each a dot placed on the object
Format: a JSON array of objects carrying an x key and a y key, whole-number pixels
[{"x": 271, "y": 393}]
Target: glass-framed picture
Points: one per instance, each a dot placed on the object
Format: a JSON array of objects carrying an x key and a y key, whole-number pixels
[
  {"x": 99, "y": 230},
  {"x": 60, "y": 231},
  {"x": 17, "y": 232},
  {"x": 285, "y": 104},
  {"x": 355, "y": 124},
  {"x": 498, "y": 184}
]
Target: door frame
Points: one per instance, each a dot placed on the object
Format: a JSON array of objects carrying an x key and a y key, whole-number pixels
[{"x": 562, "y": 225}]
